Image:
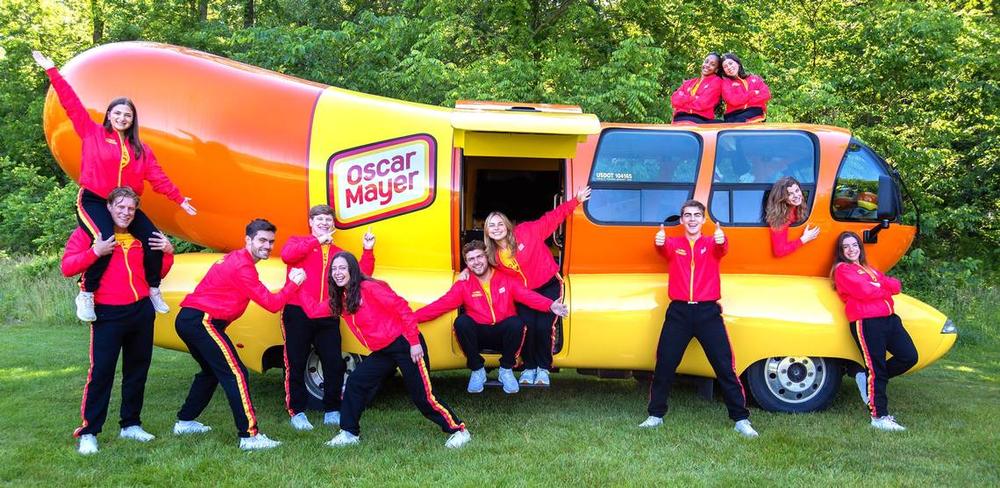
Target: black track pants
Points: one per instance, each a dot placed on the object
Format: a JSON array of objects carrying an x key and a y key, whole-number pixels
[
  {"x": 301, "y": 334},
  {"x": 506, "y": 336},
  {"x": 874, "y": 338}
]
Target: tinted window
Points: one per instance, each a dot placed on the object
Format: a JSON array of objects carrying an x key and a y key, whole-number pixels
[
  {"x": 855, "y": 193},
  {"x": 642, "y": 176},
  {"x": 747, "y": 163}
]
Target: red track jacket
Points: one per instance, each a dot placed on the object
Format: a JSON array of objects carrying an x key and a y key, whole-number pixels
[
  {"x": 100, "y": 164},
  {"x": 694, "y": 268},
  {"x": 698, "y": 96},
  {"x": 230, "y": 284},
  {"x": 533, "y": 256},
  {"x": 124, "y": 282},
  {"x": 780, "y": 245},
  {"x": 307, "y": 253},
  {"x": 381, "y": 318},
  {"x": 483, "y": 309},
  {"x": 863, "y": 299},
  {"x": 740, "y": 94}
]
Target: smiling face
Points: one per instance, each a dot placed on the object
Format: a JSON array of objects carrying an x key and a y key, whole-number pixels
[
  {"x": 851, "y": 249},
  {"x": 710, "y": 65},
  {"x": 692, "y": 218},
  {"x": 260, "y": 244},
  {"x": 496, "y": 228},
  {"x": 794, "y": 195},
  {"x": 731, "y": 68},
  {"x": 122, "y": 211},
  {"x": 121, "y": 117},
  {"x": 321, "y": 225},
  {"x": 476, "y": 261},
  {"x": 340, "y": 272}
]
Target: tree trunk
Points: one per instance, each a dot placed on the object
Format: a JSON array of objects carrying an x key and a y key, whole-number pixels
[
  {"x": 248, "y": 14},
  {"x": 97, "y": 17},
  {"x": 202, "y": 10}
]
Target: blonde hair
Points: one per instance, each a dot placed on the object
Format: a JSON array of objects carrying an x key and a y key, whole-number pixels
[
  {"x": 491, "y": 244},
  {"x": 778, "y": 209}
]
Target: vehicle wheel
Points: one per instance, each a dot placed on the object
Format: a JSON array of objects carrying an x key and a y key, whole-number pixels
[
  {"x": 794, "y": 384},
  {"x": 314, "y": 376}
]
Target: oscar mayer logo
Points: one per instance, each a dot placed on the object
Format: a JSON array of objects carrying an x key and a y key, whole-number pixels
[{"x": 380, "y": 180}]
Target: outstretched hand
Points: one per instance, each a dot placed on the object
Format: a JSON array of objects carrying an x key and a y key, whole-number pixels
[
  {"x": 809, "y": 234},
  {"x": 583, "y": 194},
  {"x": 42, "y": 60}
]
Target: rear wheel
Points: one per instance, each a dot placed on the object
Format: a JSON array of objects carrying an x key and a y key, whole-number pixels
[
  {"x": 794, "y": 384},
  {"x": 314, "y": 376}
]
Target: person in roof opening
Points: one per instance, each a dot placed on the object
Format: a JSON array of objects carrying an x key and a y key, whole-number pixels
[
  {"x": 382, "y": 322},
  {"x": 786, "y": 206},
  {"x": 695, "y": 100},
  {"x": 123, "y": 323},
  {"x": 746, "y": 95},
  {"x": 521, "y": 252},
  {"x": 320, "y": 331},
  {"x": 112, "y": 156},
  {"x": 867, "y": 296},
  {"x": 694, "y": 312},
  {"x": 489, "y": 319},
  {"x": 220, "y": 298}
]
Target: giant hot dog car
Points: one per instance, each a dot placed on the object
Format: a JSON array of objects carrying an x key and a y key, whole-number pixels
[{"x": 244, "y": 142}]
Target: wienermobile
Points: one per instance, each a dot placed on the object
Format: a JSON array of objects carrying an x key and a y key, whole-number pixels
[{"x": 245, "y": 142}]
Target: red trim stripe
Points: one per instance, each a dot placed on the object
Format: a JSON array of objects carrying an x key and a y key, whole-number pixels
[
  {"x": 868, "y": 364},
  {"x": 241, "y": 380},
  {"x": 422, "y": 368},
  {"x": 88, "y": 223},
  {"x": 732, "y": 359},
  {"x": 288, "y": 373},
  {"x": 524, "y": 335},
  {"x": 86, "y": 387}
]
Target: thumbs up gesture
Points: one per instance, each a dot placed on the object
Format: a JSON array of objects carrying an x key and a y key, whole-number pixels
[
  {"x": 661, "y": 236},
  {"x": 720, "y": 237}
]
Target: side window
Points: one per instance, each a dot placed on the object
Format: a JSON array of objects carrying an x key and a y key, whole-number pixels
[
  {"x": 855, "y": 193},
  {"x": 642, "y": 176},
  {"x": 748, "y": 163}
]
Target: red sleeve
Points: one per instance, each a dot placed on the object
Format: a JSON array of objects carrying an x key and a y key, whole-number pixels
[
  {"x": 681, "y": 99},
  {"x": 780, "y": 245},
  {"x": 168, "y": 262},
  {"x": 297, "y": 248},
  {"x": 448, "y": 302},
  {"x": 666, "y": 250},
  {"x": 158, "y": 179},
  {"x": 389, "y": 299},
  {"x": 82, "y": 123},
  {"x": 764, "y": 93},
  {"x": 528, "y": 297},
  {"x": 857, "y": 285},
  {"x": 708, "y": 96},
  {"x": 367, "y": 262},
  {"x": 548, "y": 223},
  {"x": 891, "y": 285},
  {"x": 720, "y": 250},
  {"x": 78, "y": 255},
  {"x": 734, "y": 94},
  {"x": 313, "y": 307},
  {"x": 250, "y": 283}
]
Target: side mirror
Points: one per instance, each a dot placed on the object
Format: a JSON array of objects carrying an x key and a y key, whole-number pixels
[{"x": 888, "y": 199}]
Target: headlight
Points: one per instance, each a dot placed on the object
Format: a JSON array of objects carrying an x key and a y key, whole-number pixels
[{"x": 949, "y": 327}]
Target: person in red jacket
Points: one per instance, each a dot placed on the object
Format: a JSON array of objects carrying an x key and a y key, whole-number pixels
[
  {"x": 112, "y": 156},
  {"x": 694, "y": 312},
  {"x": 695, "y": 100},
  {"x": 521, "y": 252},
  {"x": 489, "y": 318},
  {"x": 123, "y": 323},
  {"x": 321, "y": 331},
  {"x": 746, "y": 95},
  {"x": 220, "y": 298},
  {"x": 786, "y": 206},
  {"x": 867, "y": 296},
  {"x": 383, "y": 322}
]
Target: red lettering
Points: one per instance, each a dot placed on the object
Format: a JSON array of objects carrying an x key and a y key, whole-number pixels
[
  {"x": 355, "y": 198},
  {"x": 369, "y": 171},
  {"x": 413, "y": 174},
  {"x": 399, "y": 184},
  {"x": 354, "y": 175},
  {"x": 408, "y": 156},
  {"x": 383, "y": 167}
]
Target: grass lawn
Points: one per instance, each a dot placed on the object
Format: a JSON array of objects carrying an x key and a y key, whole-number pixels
[{"x": 580, "y": 432}]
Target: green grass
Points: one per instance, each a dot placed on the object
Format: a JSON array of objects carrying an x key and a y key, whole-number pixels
[{"x": 580, "y": 432}]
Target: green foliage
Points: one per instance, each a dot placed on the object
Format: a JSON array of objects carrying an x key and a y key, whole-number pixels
[{"x": 36, "y": 212}]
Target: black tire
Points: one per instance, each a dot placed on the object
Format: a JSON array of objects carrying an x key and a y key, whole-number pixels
[
  {"x": 314, "y": 377},
  {"x": 794, "y": 384}
]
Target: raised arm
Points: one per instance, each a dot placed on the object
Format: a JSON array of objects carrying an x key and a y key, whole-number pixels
[
  {"x": 297, "y": 248},
  {"x": 82, "y": 123},
  {"x": 548, "y": 223},
  {"x": 367, "y": 262}
]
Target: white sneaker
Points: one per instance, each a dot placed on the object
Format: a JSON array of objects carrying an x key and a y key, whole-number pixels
[
  {"x": 528, "y": 377},
  {"x": 509, "y": 381},
  {"x": 88, "y": 444},
  {"x": 344, "y": 438},
  {"x": 136, "y": 433},
  {"x": 862, "y": 380},
  {"x": 183, "y": 427},
  {"x": 542, "y": 377},
  {"x": 299, "y": 421},
  {"x": 85, "y": 308},
  {"x": 331, "y": 418},
  {"x": 257, "y": 442},
  {"x": 744, "y": 427},
  {"x": 156, "y": 296},
  {"x": 651, "y": 422},
  {"x": 887, "y": 423},
  {"x": 476, "y": 381},
  {"x": 458, "y": 439}
]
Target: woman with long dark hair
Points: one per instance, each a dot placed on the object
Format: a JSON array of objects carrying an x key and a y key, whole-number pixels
[
  {"x": 695, "y": 100},
  {"x": 522, "y": 253},
  {"x": 384, "y": 323},
  {"x": 867, "y": 295},
  {"x": 113, "y": 156},
  {"x": 786, "y": 206},
  {"x": 746, "y": 95}
]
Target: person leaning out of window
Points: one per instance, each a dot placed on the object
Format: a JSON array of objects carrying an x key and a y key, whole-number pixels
[{"x": 786, "y": 206}]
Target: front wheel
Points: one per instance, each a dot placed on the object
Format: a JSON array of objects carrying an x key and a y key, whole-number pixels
[
  {"x": 794, "y": 384},
  {"x": 314, "y": 376}
]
